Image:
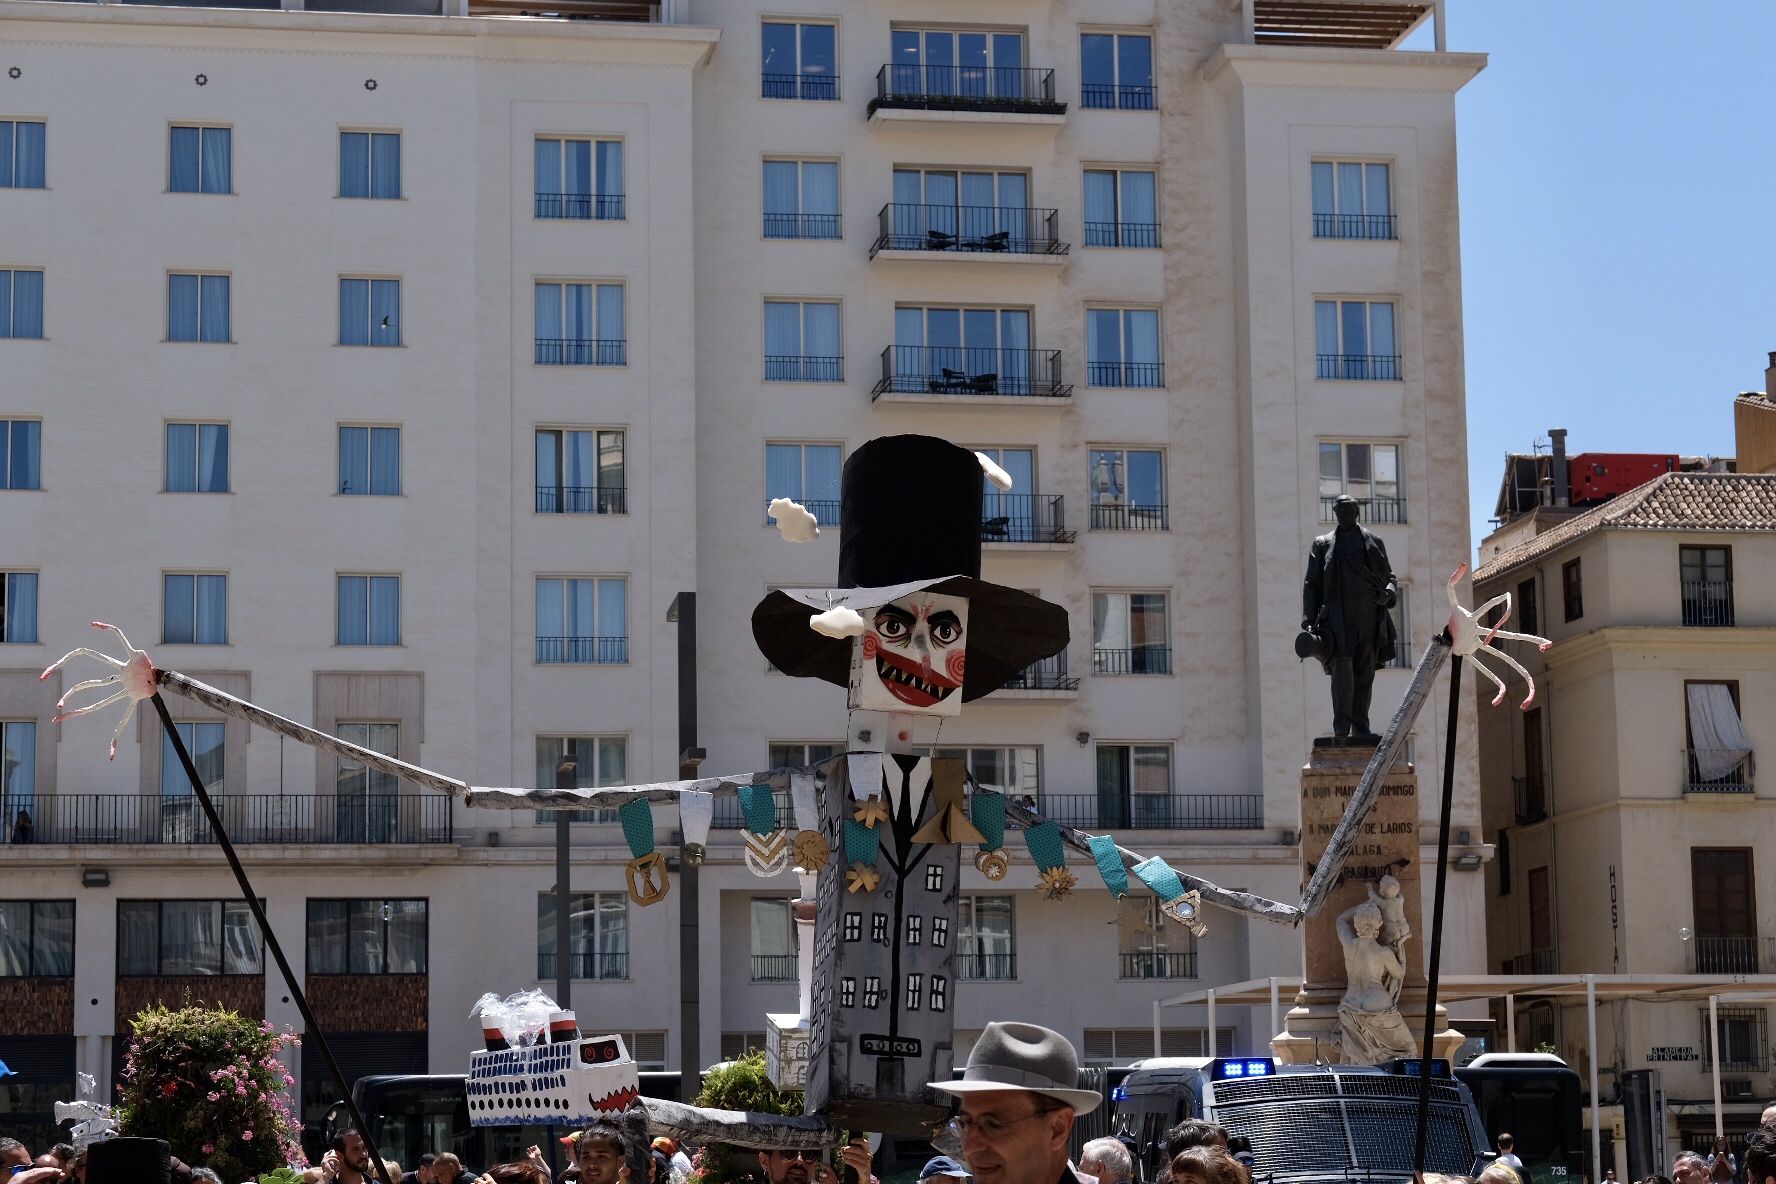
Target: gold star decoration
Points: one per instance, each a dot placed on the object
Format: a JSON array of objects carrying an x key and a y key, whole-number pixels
[
  {"x": 861, "y": 878},
  {"x": 1133, "y": 921},
  {"x": 1058, "y": 883},
  {"x": 811, "y": 850},
  {"x": 871, "y": 811}
]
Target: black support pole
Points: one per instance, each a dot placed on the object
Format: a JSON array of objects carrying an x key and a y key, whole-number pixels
[
  {"x": 1436, "y": 945},
  {"x": 311, "y": 1030}
]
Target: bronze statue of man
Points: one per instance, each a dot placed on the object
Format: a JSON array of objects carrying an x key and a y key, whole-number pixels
[{"x": 1344, "y": 602}]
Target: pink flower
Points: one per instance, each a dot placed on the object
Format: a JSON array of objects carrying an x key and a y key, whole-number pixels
[
  {"x": 214, "y": 1097},
  {"x": 247, "y": 1136},
  {"x": 209, "y": 1148}
]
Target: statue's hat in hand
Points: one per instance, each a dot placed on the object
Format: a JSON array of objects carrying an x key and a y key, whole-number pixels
[{"x": 910, "y": 521}]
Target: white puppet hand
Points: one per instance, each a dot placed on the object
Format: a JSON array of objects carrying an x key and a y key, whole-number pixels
[
  {"x": 1470, "y": 636},
  {"x": 135, "y": 675}
]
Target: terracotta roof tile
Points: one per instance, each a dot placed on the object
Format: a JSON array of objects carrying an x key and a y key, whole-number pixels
[{"x": 1672, "y": 501}]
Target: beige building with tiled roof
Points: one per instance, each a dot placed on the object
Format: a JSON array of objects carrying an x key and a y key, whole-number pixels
[{"x": 1625, "y": 805}]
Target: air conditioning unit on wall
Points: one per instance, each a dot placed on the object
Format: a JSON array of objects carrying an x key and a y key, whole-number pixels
[{"x": 1735, "y": 1087}]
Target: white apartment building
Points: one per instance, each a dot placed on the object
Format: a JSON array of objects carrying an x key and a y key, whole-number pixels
[{"x": 398, "y": 368}]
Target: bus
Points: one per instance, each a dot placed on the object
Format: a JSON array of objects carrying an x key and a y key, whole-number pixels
[{"x": 1534, "y": 1096}]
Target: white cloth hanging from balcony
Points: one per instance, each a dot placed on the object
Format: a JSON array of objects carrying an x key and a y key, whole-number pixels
[{"x": 1717, "y": 735}]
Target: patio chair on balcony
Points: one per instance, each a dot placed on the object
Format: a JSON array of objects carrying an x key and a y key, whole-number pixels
[
  {"x": 984, "y": 384},
  {"x": 952, "y": 380},
  {"x": 997, "y": 241},
  {"x": 937, "y": 240},
  {"x": 996, "y": 529}
]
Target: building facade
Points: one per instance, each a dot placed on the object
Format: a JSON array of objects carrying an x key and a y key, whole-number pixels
[{"x": 397, "y": 369}]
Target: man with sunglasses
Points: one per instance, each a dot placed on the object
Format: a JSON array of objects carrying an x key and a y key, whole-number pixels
[
  {"x": 807, "y": 1167},
  {"x": 1019, "y": 1100}
]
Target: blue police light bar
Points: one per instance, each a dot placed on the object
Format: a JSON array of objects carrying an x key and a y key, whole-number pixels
[
  {"x": 1410, "y": 1068},
  {"x": 1230, "y": 1068},
  {"x": 1119, "y": 1093}
]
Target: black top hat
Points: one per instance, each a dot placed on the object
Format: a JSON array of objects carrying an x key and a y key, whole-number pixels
[
  {"x": 129, "y": 1161},
  {"x": 910, "y": 521}
]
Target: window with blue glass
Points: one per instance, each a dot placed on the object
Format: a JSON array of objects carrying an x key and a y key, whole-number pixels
[
  {"x": 1122, "y": 347},
  {"x": 36, "y": 937},
  {"x": 801, "y": 199},
  {"x": 1352, "y": 199},
  {"x": 369, "y": 460},
  {"x": 1128, "y": 489},
  {"x": 21, "y": 303},
  {"x": 805, "y": 473},
  {"x": 802, "y": 341},
  {"x": 21, "y": 454},
  {"x": 580, "y": 472},
  {"x": 1354, "y": 341},
  {"x": 200, "y": 159},
  {"x": 1116, "y": 71},
  {"x": 18, "y": 607},
  {"x": 582, "y": 619},
  {"x": 21, "y": 154},
  {"x": 194, "y": 609},
  {"x": 197, "y": 458},
  {"x": 197, "y": 308},
  {"x": 798, "y": 61},
  {"x": 973, "y": 65},
  {"x": 181, "y": 818},
  {"x": 18, "y": 769},
  {"x": 370, "y": 165},
  {"x": 369, "y": 610},
  {"x": 580, "y": 324},
  {"x": 1121, "y": 208},
  {"x": 369, "y": 311},
  {"x": 579, "y": 178}
]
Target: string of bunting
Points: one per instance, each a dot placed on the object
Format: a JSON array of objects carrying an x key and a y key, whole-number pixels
[
  {"x": 646, "y": 873},
  {"x": 1050, "y": 854},
  {"x": 1110, "y": 865},
  {"x": 986, "y": 810},
  {"x": 1181, "y": 906},
  {"x": 767, "y": 847}
]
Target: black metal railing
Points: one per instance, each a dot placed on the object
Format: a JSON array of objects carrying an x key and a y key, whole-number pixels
[
  {"x": 1024, "y": 518},
  {"x": 776, "y": 968},
  {"x": 250, "y": 818},
  {"x": 585, "y": 966},
  {"x": 1534, "y": 962},
  {"x": 1744, "y": 1039},
  {"x": 1014, "y": 230},
  {"x": 1122, "y": 234},
  {"x": 1389, "y": 510},
  {"x": 825, "y": 510},
  {"x": 582, "y": 499},
  {"x": 1115, "y": 810},
  {"x": 1125, "y": 373},
  {"x": 1699, "y": 762},
  {"x": 1401, "y": 657},
  {"x": 1050, "y": 674},
  {"x": 1708, "y": 602},
  {"x": 803, "y": 225},
  {"x": 600, "y": 207},
  {"x": 577, "y": 650},
  {"x": 1026, "y": 89},
  {"x": 581, "y": 351},
  {"x": 730, "y": 816},
  {"x": 800, "y": 368},
  {"x": 1358, "y": 367},
  {"x": 1158, "y": 964},
  {"x": 1530, "y": 798},
  {"x": 1122, "y": 516},
  {"x": 1109, "y": 96},
  {"x": 821, "y": 87},
  {"x": 1724, "y": 955},
  {"x": 1376, "y": 226},
  {"x": 1140, "y": 659},
  {"x": 982, "y": 968},
  {"x": 971, "y": 370}
]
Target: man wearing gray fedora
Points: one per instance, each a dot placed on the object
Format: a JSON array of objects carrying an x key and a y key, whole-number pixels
[{"x": 1019, "y": 1098}]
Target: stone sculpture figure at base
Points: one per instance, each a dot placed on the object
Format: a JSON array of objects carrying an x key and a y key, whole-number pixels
[{"x": 1371, "y": 1029}]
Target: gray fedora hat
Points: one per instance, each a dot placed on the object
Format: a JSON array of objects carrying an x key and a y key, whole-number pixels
[{"x": 1027, "y": 1057}]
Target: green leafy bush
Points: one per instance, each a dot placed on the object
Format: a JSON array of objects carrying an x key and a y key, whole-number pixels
[
  {"x": 209, "y": 1082},
  {"x": 739, "y": 1085}
]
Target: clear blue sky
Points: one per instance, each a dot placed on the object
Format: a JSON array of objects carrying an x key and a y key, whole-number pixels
[{"x": 1617, "y": 200}]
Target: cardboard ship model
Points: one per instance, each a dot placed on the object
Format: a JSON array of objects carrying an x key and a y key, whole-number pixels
[{"x": 567, "y": 1081}]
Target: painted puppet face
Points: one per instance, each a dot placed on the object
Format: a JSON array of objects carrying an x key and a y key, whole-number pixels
[{"x": 912, "y": 655}]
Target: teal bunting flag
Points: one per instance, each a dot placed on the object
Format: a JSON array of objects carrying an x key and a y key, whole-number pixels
[
  {"x": 1158, "y": 875},
  {"x": 987, "y": 811},
  {"x": 1110, "y": 865},
  {"x": 760, "y": 806},
  {"x": 637, "y": 818},
  {"x": 862, "y": 843},
  {"x": 1044, "y": 841}
]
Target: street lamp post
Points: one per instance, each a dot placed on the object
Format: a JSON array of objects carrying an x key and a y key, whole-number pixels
[{"x": 683, "y": 613}]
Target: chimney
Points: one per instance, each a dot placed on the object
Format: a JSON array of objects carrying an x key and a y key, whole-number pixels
[
  {"x": 1770, "y": 378},
  {"x": 1562, "y": 473}
]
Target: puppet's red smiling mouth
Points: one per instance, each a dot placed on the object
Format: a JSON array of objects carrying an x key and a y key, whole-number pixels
[{"x": 909, "y": 683}]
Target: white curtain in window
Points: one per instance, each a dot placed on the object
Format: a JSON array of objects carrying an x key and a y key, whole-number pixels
[
  {"x": 610, "y": 313},
  {"x": 218, "y": 153},
  {"x": 579, "y": 452},
  {"x": 1717, "y": 735},
  {"x": 385, "y": 312},
  {"x": 1376, "y": 177},
  {"x": 783, "y": 332},
  {"x": 783, "y": 472},
  {"x": 354, "y": 460},
  {"x": 21, "y": 607},
  {"x": 576, "y": 312},
  {"x": 385, "y": 610},
  {"x": 181, "y": 308},
  {"x": 820, "y": 330},
  {"x": 610, "y": 168},
  {"x": 182, "y": 172},
  {"x": 820, "y": 187},
  {"x": 354, "y": 611},
  {"x": 240, "y": 940},
  {"x": 1140, "y": 203},
  {"x": 18, "y": 772},
  {"x": 407, "y": 937},
  {"x": 550, "y": 613},
  {"x": 780, "y": 188},
  {"x": 25, "y": 154},
  {"x": 385, "y": 460},
  {"x": 1103, "y": 342},
  {"x": 354, "y": 164},
  {"x": 1381, "y": 333},
  {"x": 773, "y": 933},
  {"x": 385, "y": 165},
  {"x": 27, "y": 304},
  {"x": 214, "y": 308},
  {"x": 190, "y": 936},
  {"x": 212, "y": 609},
  {"x": 1100, "y": 199},
  {"x": 1350, "y": 188},
  {"x": 612, "y": 611},
  {"x": 548, "y": 166},
  {"x": 581, "y": 605},
  {"x": 823, "y": 466},
  {"x": 21, "y": 466},
  {"x": 15, "y": 938},
  {"x": 1325, "y": 327},
  {"x": 1142, "y": 328},
  {"x": 577, "y": 167},
  {"x": 1323, "y": 201},
  {"x": 354, "y": 312},
  {"x": 181, "y": 457},
  {"x": 548, "y": 312},
  {"x": 212, "y": 458}
]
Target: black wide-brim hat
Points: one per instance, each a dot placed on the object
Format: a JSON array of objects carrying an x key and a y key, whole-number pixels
[{"x": 910, "y": 521}]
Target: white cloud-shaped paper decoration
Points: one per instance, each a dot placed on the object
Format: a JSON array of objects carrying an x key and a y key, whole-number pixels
[
  {"x": 999, "y": 477},
  {"x": 837, "y": 622},
  {"x": 795, "y": 522}
]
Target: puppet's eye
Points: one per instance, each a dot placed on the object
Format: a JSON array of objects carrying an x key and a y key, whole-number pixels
[
  {"x": 891, "y": 628},
  {"x": 946, "y": 632}
]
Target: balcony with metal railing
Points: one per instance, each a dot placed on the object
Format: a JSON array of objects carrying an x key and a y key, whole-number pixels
[
  {"x": 1744, "y": 1039},
  {"x": 581, "y": 351},
  {"x": 1534, "y": 962},
  {"x": 592, "y": 967},
  {"x": 776, "y": 968},
  {"x": 573, "y": 651},
  {"x": 1725, "y": 955},
  {"x": 1110, "y": 96},
  {"x": 1158, "y": 964},
  {"x": 1718, "y": 771},
  {"x": 1708, "y": 603},
  {"x": 985, "y": 968},
  {"x": 803, "y": 368},
  {"x": 1024, "y": 519},
  {"x": 942, "y": 373},
  {"x": 580, "y": 207},
  {"x": 968, "y": 91},
  {"x": 1530, "y": 798},
  {"x": 816, "y": 87},
  {"x": 826, "y": 226},
  {"x": 1112, "y": 809},
  {"x": 582, "y": 499},
  {"x": 1115, "y": 515},
  {"x": 1046, "y": 679},
  {"x": 1387, "y": 511},
  {"x": 1357, "y": 367},
  {"x": 825, "y": 510},
  {"x": 318, "y": 819},
  {"x": 1400, "y": 658},
  {"x": 1140, "y": 659},
  {"x": 730, "y": 816},
  {"x": 1122, "y": 234},
  {"x": 1361, "y": 226},
  {"x": 1147, "y": 374},
  {"x": 980, "y": 233}
]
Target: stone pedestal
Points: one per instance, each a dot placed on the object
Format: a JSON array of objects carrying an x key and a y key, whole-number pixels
[{"x": 1387, "y": 844}]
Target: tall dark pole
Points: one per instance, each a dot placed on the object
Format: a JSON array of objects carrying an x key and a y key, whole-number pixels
[
  {"x": 565, "y": 777},
  {"x": 1436, "y": 947},
  {"x": 690, "y": 992},
  {"x": 311, "y": 1031}
]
